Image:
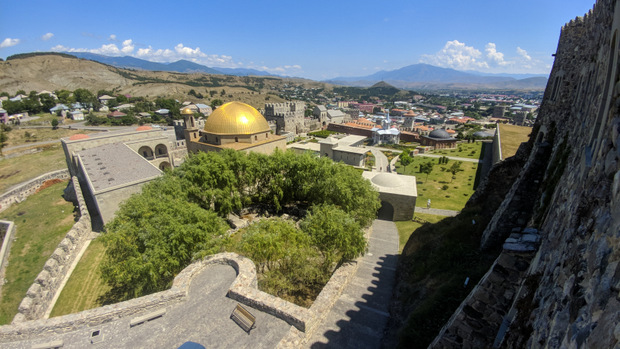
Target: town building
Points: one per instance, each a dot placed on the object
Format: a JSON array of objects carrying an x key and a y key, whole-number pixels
[
  {"x": 438, "y": 139},
  {"x": 288, "y": 116}
]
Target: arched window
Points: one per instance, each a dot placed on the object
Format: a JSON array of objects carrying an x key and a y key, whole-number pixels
[{"x": 236, "y": 139}]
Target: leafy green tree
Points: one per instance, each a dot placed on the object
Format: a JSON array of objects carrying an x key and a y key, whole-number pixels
[
  {"x": 216, "y": 103},
  {"x": 405, "y": 158},
  {"x": 153, "y": 237},
  {"x": 54, "y": 123},
  {"x": 64, "y": 97},
  {"x": 338, "y": 236},
  {"x": 13, "y": 107},
  {"x": 454, "y": 169},
  {"x": 20, "y": 92},
  {"x": 426, "y": 168},
  {"x": 47, "y": 102}
]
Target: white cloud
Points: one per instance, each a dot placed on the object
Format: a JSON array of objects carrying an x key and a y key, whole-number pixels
[
  {"x": 457, "y": 55},
  {"x": 523, "y": 53},
  {"x": 178, "y": 52},
  {"x": 47, "y": 36},
  {"x": 112, "y": 37},
  {"x": 127, "y": 46},
  {"x": 8, "y": 42},
  {"x": 493, "y": 55}
]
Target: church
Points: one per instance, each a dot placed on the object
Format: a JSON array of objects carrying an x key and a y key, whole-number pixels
[{"x": 233, "y": 125}]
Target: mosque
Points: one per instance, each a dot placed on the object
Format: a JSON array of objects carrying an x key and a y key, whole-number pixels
[{"x": 233, "y": 125}]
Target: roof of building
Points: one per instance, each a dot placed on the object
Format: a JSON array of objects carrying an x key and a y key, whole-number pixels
[
  {"x": 236, "y": 118},
  {"x": 321, "y": 108},
  {"x": 116, "y": 114},
  {"x": 439, "y": 134},
  {"x": 77, "y": 136},
  {"x": 144, "y": 128},
  {"x": 115, "y": 164},
  {"x": 392, "y": 183},
  {"x": 335, "y": 113}
]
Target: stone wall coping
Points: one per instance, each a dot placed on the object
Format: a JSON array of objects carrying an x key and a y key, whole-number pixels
[
  {"x": 16, "y": 190},
  {"x": 6, "y": 246}
]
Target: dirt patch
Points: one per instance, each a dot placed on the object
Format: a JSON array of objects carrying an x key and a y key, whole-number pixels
[{"x": 48, "y": 184}]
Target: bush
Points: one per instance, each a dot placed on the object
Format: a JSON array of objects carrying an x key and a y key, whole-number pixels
[{"x": 445, "y": 187}]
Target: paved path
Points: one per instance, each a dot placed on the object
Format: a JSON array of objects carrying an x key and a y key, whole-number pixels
[
  {"x": 203, "y": 318},
  {"x": 381, "y": 161},
  {"x": 359, "y": 316},
  {"x": 436, "y": 211}
]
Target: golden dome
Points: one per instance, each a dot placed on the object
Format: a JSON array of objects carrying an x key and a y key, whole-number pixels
[
  {"x": 236, "y": 118},
  {"x": 187, "y": 111}
]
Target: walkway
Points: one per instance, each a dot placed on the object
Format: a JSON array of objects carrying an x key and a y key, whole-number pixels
[
  {"x": 381, "y": 161},
  {"x": 359, "y": 316},
  {"x": 450, "y": 157},
  {"x": 436, "y": 211}
]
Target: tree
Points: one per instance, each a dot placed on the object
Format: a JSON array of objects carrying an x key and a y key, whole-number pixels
[
  {"x": 54, "y": 123},
  {"x": 405, "y": 158},
  {"x": 454, "y": 169},
  {"x": 426, "y": 168},
  {"x": 337, "y": 235},
  {"x": 153, "y": 237},
  {"x": 47, "y": 102},
  {"x": 216, "y": 103}
]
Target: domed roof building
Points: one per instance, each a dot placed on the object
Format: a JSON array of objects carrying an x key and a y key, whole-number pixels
[
  {"x": 438, "y": 139},
  {"x": 233, "y": 125},
  {"x": 398, "y": 194}
]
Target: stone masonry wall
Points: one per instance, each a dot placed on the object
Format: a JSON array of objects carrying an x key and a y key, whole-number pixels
[
  {"x": 41, "y": 293},
  {"x": 569, "y": 297},
  {"x": 21, "y": 192}
]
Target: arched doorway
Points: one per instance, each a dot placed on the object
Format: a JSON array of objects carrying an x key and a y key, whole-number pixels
[
  {"x": 165, "y": 166},
  {"x": 161, "y": 150},
  {"x": 146, "y": 151},
  {"x": 386, "y": 212}
]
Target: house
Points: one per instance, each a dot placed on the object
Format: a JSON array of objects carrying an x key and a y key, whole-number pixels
[
  {"x": 162, "y": 112},
  {"x": 4, "y": 116},
  {"x": 125, "y": 106},
  {"x": 335, "y": 116},
  {"x": 58, "y": 107},
  {"x": 77, "y": 115},
  {"x": 116, "y": 114},
  {"x": 18, "y": 98},
  {"x": 105, "y": 99}
]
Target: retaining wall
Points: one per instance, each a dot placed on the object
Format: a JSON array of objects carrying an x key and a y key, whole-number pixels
[
  {"x": 8, "y": 230},
  {"x": 21, "y": 192},
  {"x": 497, "y": 146},
  {"x": 41, "y": 293}
]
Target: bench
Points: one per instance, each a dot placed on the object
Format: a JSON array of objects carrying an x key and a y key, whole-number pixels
[
  {"x": 243, "y": 318},
  {"x": 148, "y": 317}
]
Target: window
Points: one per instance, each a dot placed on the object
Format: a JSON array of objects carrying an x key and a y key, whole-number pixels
[{"x": 236, "y": 139}]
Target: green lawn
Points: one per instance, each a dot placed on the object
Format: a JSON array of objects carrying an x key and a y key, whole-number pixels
[
  {"x": 84, "y": 288},
  {"x": 462, "y": 150},
  {"x": 406, "y": 228},
  {"x": 25, "y": 167},
  {"x": 42, "y": 221},
  {"x": 444, "y": 192},
  {"x": 511, "y": 137}
]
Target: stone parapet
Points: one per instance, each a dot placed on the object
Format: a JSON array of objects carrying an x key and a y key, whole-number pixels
[
  {"x": 21, "y": 192},
  {"x": 47, "y": 284}
]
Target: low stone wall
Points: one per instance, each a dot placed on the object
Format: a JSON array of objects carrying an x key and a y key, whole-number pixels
[
  {"x": 497, "y": 146},
  {"x": 7, "y": 229},
  {"x": 21, "y": 192},
  {"x": 41, "y": 293},
  {"x": 243, "y": 289}
]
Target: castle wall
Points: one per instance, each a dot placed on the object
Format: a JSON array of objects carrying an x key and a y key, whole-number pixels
[
  {"x": 569, "y": 189},
  {"x": 42, "y": 292},
  {"x": 21, "y": 192}
]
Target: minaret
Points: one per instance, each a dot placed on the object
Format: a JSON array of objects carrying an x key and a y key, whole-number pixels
[{"x": 191, "y": 131}]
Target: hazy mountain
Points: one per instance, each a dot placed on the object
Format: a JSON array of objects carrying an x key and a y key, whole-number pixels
[
  {"x": 181, "y": 66},
  {"x": 421, "y": 75}
]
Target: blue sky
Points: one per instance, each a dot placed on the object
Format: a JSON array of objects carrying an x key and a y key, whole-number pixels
[{"x": 314, "y": 39}]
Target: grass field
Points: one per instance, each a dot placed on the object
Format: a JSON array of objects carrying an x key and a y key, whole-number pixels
[
  {"x": 22, "y": 168},
  {"x": 406, "y": 228},
  {"x": 31, "y": 135},
  {"x": 42, "y": 221},
  {"x": 444, "y": 192},
  {"x": 462, "y": 150},
  {"x": 85, "y": 286},
  {"x": 511, "y": 137}
]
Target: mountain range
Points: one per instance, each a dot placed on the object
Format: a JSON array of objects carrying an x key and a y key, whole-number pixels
[{"x": 418, "y": 76}]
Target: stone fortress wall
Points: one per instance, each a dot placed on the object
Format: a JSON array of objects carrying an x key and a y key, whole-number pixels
[
  {"x": 42, "y": 292},
  {"x": 289, "y": 116},
  {"x": 564, "y": 293},
  {"x": 21, "y": 192}
]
